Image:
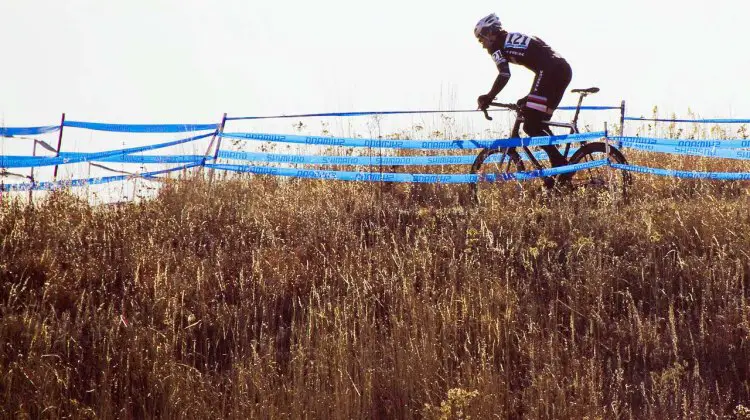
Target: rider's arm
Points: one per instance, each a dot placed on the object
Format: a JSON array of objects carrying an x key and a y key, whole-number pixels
[
  {"x": 500, "y": 81},
  {"x": 502, "y": 78}
]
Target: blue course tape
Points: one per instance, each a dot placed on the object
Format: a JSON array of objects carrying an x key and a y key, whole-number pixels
[
  {"x": 142, "y": 158},
  {"x": 414, "y": 144},
  {"x": 364, "y": 113},
  {"x": 708, "y": 121},
  {"x": 691, "y": 151},
  {"x": 89, "y": 181},
  {"x": 366, "y": 160},
  {"x": 347, "y": 175},
  {"x": 709, "y": 144},
  {"x": 27, "y": 131},
  {"x": 26, "y": 162},
  {"x": 141, "y": 128},
  {"x": 401, "y": 177},
  {"x": 684, "y": 174}
]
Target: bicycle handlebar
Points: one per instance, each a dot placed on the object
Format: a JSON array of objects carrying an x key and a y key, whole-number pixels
[
  {"x": 517, "y": 109},
  {"x": 512, "y": 107}
]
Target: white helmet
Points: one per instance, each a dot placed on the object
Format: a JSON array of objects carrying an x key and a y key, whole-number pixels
[{"x": 487, "y": 25}]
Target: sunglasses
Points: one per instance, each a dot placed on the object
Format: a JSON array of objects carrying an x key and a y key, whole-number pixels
[{"x": 484, "y": 34}]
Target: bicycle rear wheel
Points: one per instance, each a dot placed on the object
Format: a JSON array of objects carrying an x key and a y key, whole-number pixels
[
  {"x": 493, "y": 167},
  {"x": 602, "y": 178}
]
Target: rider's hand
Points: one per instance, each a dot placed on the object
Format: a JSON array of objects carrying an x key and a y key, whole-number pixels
[
  {"x": 522, "y": 102},
  {"x": 483, "y": 101}
]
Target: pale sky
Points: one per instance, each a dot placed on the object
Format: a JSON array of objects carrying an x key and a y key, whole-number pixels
[{"x": 168, "y": 61}]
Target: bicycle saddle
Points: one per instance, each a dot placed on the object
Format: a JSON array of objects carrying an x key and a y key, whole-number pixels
[{"x": 589, "y": 90}]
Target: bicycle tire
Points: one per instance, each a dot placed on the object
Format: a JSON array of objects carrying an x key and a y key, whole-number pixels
[
  {"x": 602, "y": 178},
  {"x": 485, "y": 192}
]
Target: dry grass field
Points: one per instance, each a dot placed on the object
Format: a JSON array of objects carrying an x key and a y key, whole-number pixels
[{"x": 258, "y": 297}]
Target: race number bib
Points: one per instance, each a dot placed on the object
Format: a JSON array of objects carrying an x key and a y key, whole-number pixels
[
  {"x": 497, "y": 56},
  {"x": 517, "y": 41}
]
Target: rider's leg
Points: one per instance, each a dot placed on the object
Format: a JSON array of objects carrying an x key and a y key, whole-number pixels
[
  {"x": 534, "y": 126},
  {"x": 546, "y": 93}
]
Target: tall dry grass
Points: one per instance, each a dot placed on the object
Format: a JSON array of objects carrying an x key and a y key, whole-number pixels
[{"x": 264, "y": 298}]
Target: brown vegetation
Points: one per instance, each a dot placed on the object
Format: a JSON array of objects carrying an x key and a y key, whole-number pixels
[{"x": 265, "y": 298}]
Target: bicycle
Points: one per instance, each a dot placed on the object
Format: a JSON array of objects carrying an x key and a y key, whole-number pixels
[{"x": 599, "y": 178}]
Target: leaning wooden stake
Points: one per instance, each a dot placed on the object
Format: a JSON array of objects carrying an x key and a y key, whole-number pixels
[
  {"x": 31, "y": 177},
  {"x": 218, "y": 134},
  {"x": 59, "y": 145}
]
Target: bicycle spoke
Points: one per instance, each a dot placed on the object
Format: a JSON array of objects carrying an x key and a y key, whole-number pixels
[
  {"x": 601, "y": 178},
  {"x": 492, "y": 186}
]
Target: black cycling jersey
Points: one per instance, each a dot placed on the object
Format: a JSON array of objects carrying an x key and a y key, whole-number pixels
[
  {"x": 553, "y": 74},
  {"x": 528, "y": 51}
]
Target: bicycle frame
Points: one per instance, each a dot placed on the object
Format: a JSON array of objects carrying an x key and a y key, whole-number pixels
[
  {"x": 572, "y": 125},
  {"x": 587, "y": 152}
]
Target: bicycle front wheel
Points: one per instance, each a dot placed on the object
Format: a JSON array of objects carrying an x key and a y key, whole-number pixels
[
  {"x": 494, "y": 169},
  {"x": 602, "y": 178}
]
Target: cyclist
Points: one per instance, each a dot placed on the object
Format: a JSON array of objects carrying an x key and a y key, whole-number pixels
[{"x": 552, "y": 72}]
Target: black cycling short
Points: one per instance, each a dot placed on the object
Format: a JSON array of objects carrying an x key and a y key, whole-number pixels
[{"x": 549, "y": 87}]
